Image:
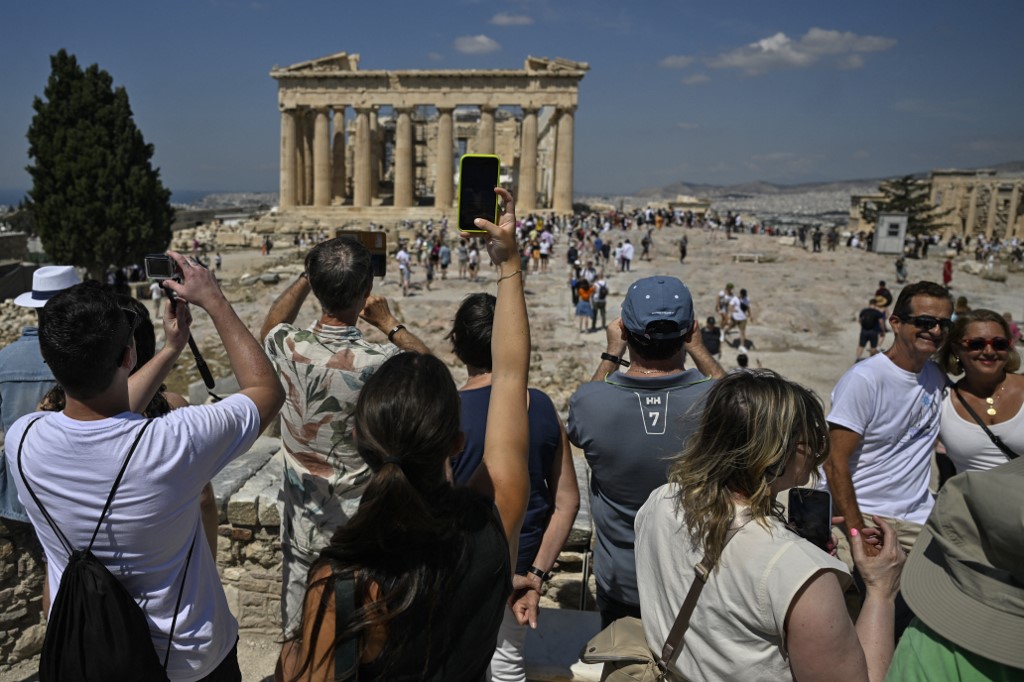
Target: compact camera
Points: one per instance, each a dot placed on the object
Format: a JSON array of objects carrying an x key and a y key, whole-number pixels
[{"x": 159, "y": 267}]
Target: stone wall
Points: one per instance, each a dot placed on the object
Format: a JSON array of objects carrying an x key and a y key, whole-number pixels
[{"x": 21, "y": 593}]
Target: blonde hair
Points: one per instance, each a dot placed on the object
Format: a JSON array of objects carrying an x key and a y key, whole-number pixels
[{"x": 750, "y": 428}]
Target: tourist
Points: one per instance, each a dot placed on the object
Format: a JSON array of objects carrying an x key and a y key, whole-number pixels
[
  {"x": 772, "y": 607},
  {"x": 324, "y": 367},
  {"x": 87, "y": 341},
  {"x": 710, "y": 336},
  {"x": 722, "y": 305},
  {"x": 625, "y": 256},
  {"x": 683, "y": 242},
  {"x": 599, "y": 302},
  {"x": 1014, "y": 329},
  {"x": 444, "y": 254},
  {"x": 961, "y": 307},
  {"x": 964, "y": 583},
  {"x": 554, "y": 493},
  {"x": 426, "y": 567},
  {"x": 474, "y": 262},
  {"x": 628, "y": 421},
  {"x": 404, "y": 267},
  {"x": 947, "y": 272},
  {"x": 870, "y": 319},
  {"x": 739, "y": 315},
  {"x": 979, "y": 347},
  {"x": 584, "y": 311},
  {"x": 462, "y": 251},
  {"x": 898, "y": 391}
]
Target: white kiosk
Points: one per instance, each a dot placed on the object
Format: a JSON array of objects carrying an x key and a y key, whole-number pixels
[{"x": 890, "y": 233}]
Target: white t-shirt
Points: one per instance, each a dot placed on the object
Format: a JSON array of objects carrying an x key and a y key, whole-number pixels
[
  {"x": 896, "y": 413},
  {"x": 626, "y": 251},
  {"x": 969, "y": 447},
  {"x": 403, "y": 260},
  {"x": 156, "y": 292},
  {"x": 737, "y": 631},
  {"x": 736, "y": 309},
  {"x": 154, "y": 518}
]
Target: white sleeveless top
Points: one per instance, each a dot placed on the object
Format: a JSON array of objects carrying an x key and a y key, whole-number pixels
[{"x": 967, "y": 444}]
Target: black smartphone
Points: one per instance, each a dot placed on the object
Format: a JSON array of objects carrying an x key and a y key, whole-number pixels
[
  {"x": 376, "y": 243},
  {"x": 159, "y": 266},
  {"x": 810, "y": 515},
  {"x": 478, "y": 176}
]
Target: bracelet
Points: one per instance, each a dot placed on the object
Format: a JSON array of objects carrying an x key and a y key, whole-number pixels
[
  {"x": 511, "y": 274},
  {"x": 544, "y": 577},
  {"x": 391, "y": 334},
  {"x": 615, "y": 358}
]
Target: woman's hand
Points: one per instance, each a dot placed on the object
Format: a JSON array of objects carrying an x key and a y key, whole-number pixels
[
  {"x": 501, "y": 242},
  {"x": 881, "y": 568}
]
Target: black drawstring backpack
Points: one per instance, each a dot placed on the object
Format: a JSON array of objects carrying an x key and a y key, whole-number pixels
[{"x": 96, "y": 631}]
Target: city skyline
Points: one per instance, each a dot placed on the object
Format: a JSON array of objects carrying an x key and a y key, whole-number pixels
[{"x": 676, "y": 92}]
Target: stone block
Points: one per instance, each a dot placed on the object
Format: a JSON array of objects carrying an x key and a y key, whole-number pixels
[
  {"x": 786, "y": 241},
  {"x": 235, "y": 474},
  {"x": 260, "y": 489},
  {"x": 997, "y": 275},
  {"x": 29, "y": 643},
  {"x": 972, "y": 267}
]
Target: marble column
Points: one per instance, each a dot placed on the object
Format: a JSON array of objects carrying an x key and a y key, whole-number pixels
[
  {"x": 404, "y": 168},
  {"x": 338, "y": 157},
  {"x": 1011, "y": 216},
  {"x": 444, "y": 191},
  {"x": 376, "y": 154},
  {"x": 993, "y": 204},
  {"x": 526, "y": 192},
  {"x": 287, "y": 189},
  {"x": 321, "y": 158},
  {"x": 564, "y": 162},
  {"x": 485, "y": 134},
  {"x": 972, "y": 209},
  {"x": 300, "y": 157},
  {"x": 307, "y": 157},
  {"x": 362, "y": 161}
]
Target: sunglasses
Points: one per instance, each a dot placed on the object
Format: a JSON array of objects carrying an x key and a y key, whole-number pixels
[
  {"x": 998, "y": 343},
  {"x": 132, "y": 318},
  {"x": 927, "y": 322}
]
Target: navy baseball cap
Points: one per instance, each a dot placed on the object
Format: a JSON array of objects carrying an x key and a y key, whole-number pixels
[{"x": 655, "y": 299}]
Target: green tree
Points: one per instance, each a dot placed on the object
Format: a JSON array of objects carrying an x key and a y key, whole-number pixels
[
  {"x": 96, "y": 198},
  {"x": 911, "y": 196}
]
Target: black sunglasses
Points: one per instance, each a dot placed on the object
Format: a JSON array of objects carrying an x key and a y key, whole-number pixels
[
  {"x": 132, "y": 318},
  {"x": 998, "y": 343},
  {"x": 927, "y": 322}
]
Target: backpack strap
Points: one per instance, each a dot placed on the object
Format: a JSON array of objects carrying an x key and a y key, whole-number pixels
[
  {"x": 177, "y": 603},
  {"x": 117, "y": 482},
  {"x": 345, "y": 653},
  {"x": 21, "y": 470}
]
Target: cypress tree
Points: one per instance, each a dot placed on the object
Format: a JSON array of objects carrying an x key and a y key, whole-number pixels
[
  {"x": 911, "y": 196},
  {"x": 97, "y": 200}
]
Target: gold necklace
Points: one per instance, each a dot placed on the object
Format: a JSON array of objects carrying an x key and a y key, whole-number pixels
[{"x": 991, "y": 400}]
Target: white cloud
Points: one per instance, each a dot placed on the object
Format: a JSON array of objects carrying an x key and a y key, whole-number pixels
[
  {"x": 435, "y": 56},
  {"x": 480, "y": 44},
  {"x": 506, "y": 19},
  {"x": 676, "y": 61},
  {"x": 684, "y": 125},
  {"x": 781, "y": 52},
  {"x": 696, "y": 79}
]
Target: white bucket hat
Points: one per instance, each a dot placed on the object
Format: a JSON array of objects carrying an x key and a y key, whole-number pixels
[{"x": 47, "y": 282}]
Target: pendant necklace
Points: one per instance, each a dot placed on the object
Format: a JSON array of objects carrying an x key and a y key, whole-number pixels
[{"x": 991, "y": 401}]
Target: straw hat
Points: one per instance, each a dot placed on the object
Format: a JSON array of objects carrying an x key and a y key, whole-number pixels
[{"x": 965, "y": 577}]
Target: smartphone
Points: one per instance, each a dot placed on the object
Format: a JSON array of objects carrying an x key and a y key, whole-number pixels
[
  {"x": 159, "y": 266},
  {"x": 478, "y": 176},
  {"x": 810, "y": 515},
  {"x": 376, "y": 243}
]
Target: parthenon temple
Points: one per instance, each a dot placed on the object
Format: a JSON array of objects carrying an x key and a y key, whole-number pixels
[{"x": 352, "y": 139}]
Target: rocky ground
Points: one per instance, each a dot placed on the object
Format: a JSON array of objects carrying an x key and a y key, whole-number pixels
[{"x": 804, "y": 320}]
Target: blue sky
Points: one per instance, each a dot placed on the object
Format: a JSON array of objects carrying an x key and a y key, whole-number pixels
[{"x": 717, "y": 92}]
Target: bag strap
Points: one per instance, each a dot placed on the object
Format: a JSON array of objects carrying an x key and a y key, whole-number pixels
[
  {"x": 21, "y": 470},
  {"x": 345, "y": 653},
  {"x": 1010, "y": 454},
  {"x": 682, "y": 622},
  {"x": 117, "y": 482},
  {"x": 177, "y": 603}
]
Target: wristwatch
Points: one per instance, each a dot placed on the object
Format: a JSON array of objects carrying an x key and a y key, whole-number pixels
[
  {"x": 544, "y": 577},
  {"x": 615, "y": 358},
  {"x": 391, "y": 334}
]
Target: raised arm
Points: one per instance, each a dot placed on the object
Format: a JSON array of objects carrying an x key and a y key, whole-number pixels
[
  {"x": 146, "y": 381},
  {"x": 286, "y": 308},
  {"x": 503, "y": 473},
  {"x": 378, "y": 313},
  {"x": 256, "y": 376},
  {"x": 616, "y": 347},
  {"x": 703, "y": 360}
]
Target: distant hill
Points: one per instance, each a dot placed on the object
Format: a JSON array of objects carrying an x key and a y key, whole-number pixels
[{"x": 768, "y": 188}]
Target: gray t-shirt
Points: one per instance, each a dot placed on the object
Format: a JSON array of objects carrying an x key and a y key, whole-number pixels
[{"x": 629, "y": 428}]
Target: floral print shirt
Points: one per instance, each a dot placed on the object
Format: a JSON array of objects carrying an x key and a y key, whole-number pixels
[{"x": 322, "y": 368}]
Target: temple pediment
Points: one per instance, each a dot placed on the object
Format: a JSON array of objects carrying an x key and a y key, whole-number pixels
[
  {"x": 340, "y": 61},
  {"x": 542, "y": 64}
]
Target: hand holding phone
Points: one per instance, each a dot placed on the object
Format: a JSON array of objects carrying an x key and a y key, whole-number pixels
[{"x": 810, "y": 515}]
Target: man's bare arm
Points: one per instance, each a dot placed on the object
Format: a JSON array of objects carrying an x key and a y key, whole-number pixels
[
  {"x": 378, "y": 313},
  {"x": 616, "y": 335},
  {"x": 840, "y": 479},
  {"x": 286, "y": 308},
  {"x": 703, "y": 360}
]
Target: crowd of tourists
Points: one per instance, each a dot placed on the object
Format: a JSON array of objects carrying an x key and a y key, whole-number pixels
[{"x": 421, "y": 520}]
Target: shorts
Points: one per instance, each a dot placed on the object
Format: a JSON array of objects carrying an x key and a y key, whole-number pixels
[
  {"x": 868, "y": 337},
  {"x": 406, "y": 275},
  {"x": 584, "y": 309}
]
